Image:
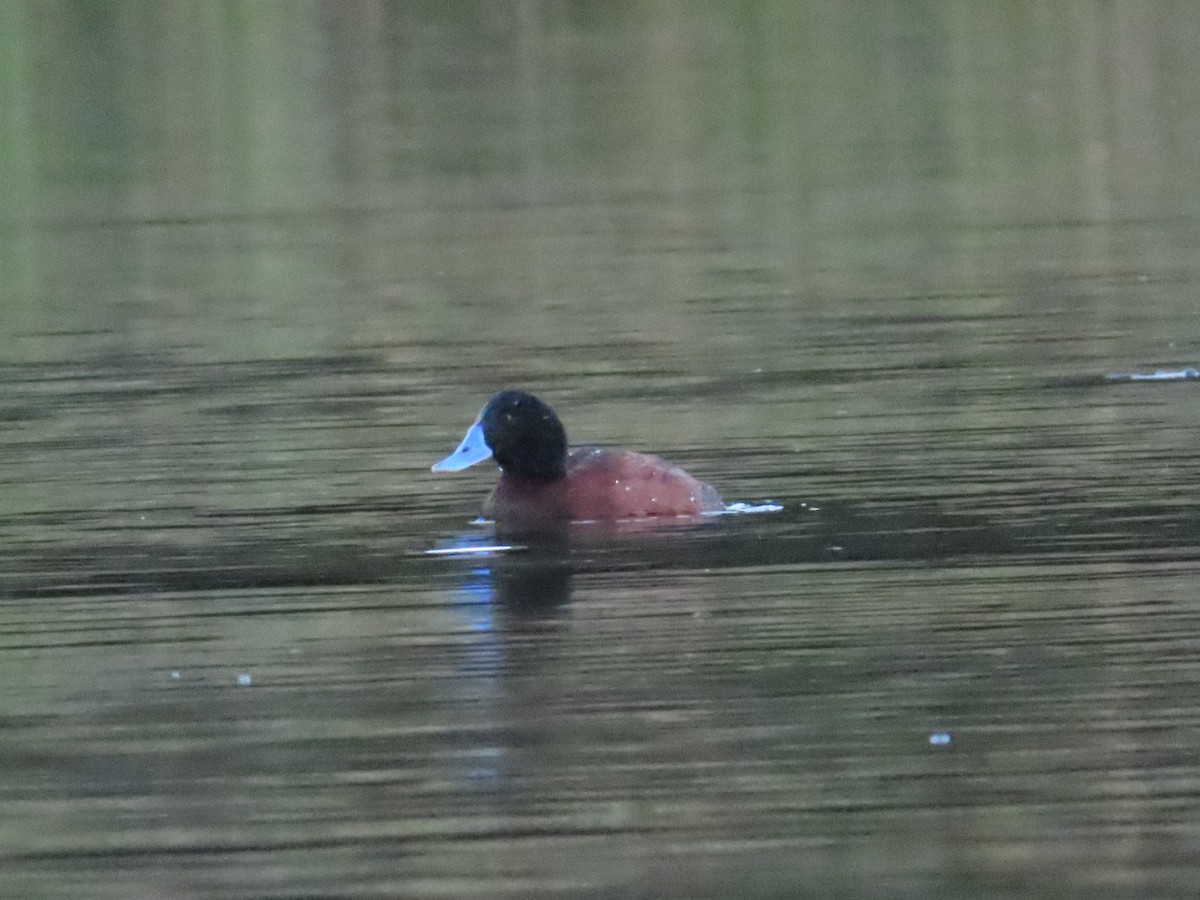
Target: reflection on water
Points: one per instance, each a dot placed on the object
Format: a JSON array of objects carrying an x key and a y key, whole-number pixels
[
  {"x": 533, "y": 576},
  {"x": 926, "y": 279}
]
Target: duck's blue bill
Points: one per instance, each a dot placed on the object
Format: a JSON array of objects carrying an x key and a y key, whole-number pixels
[{"x": 473, "y": 449}]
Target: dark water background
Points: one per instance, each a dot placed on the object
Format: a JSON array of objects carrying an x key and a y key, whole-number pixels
[{"x": 260, "y": 265}]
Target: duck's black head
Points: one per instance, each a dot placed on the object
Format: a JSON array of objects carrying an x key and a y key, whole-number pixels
[
  {"x": 525, "y": 436},
  {"x": 520, "y": 432}
]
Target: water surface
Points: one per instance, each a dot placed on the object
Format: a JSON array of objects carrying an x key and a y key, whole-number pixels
[{"x": 262, "y": 264}]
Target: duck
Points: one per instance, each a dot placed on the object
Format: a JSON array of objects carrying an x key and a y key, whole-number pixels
[{"x": 543, "y": 480}]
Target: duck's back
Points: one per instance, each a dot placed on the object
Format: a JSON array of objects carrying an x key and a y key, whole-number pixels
[
  {"x": 604, "y": 485},
  {"x": 622, "y": 484}
]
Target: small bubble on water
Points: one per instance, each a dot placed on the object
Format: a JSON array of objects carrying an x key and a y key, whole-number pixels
[
  {"x": 244, "y": 679},
  {"x": 940, "y": 739}
]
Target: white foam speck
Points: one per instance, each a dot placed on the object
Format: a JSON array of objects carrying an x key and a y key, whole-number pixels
[
  {"x": 475, "y": 550},
  {"x": 744, "y": 509}
]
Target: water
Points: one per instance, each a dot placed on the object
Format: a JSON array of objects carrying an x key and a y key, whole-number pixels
[{"x": 262, "y": 264}]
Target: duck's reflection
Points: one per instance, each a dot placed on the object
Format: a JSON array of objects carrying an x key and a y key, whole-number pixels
[
  {"x": 512, "y": 598},
  {"x": 515, "y": 575},
  {"x": 537, "y": 581}
]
